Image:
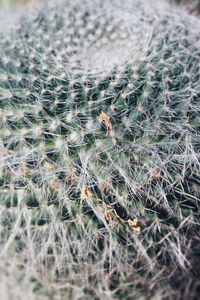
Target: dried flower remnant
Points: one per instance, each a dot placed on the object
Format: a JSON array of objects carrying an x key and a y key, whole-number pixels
[
  {"x": 85, "y": 193},
  {"x": 108, "y": 214},
  {"x": 134, "y": 224},
  {"x": 156, "y": 174},
  {"x": 103, "y": 117}
]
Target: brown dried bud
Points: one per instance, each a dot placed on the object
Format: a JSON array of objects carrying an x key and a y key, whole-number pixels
[
  {"x": 85, "y": 193},
  {"x": 105, "y": 118},
  {"x": 134, "y": 224}
]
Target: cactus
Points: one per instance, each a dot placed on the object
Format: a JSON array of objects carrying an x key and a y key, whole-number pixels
[{"x": 99, "y": 178}]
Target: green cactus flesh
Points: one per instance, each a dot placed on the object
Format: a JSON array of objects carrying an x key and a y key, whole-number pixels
[{"x": 99, "y": 178}]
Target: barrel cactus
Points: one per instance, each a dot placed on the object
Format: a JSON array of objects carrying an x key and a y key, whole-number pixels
[{"x": 99, "y": 140}]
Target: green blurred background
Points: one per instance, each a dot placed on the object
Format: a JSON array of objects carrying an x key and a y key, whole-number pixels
[{"x": 9, "y": 3}]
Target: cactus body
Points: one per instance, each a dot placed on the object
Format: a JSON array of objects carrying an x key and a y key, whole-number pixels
[{"x": 99, "y": 185}]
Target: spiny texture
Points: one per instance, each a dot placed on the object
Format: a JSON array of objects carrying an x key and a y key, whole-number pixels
[{"x": 99, "y": 156}]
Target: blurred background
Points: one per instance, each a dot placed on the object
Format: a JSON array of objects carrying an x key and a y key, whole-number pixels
[
  {"x": 192, "y": 6},
  {"x": 10, "y": 4}
]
